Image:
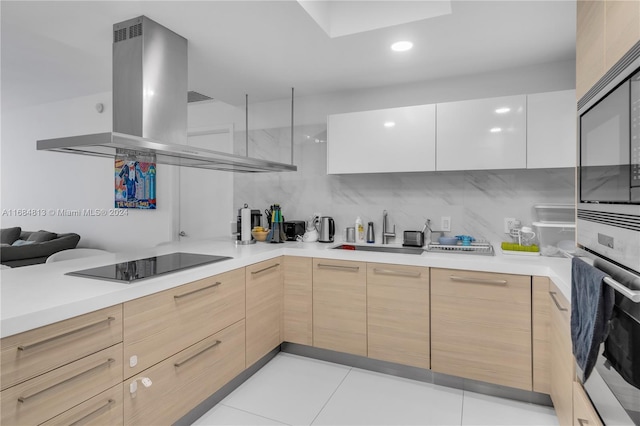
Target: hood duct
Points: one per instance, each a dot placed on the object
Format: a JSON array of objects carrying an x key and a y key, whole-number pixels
[{"x": 150, "y": 106}]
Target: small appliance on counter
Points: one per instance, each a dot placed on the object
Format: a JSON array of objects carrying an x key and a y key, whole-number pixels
[
  {"x": 293, "y": 229},
  {"x": 327, "y": 229},
  {"x": 247, "y": 220},
  {"x": 413, "y": 239}
]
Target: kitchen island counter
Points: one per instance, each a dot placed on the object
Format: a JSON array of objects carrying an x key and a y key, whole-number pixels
[{"x": 38, "y": 295}]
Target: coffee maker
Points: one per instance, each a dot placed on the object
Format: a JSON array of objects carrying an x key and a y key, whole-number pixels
[{"x": 255, "y": 218}]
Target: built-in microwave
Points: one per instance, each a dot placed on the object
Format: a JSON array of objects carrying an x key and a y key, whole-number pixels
[{"x": 608, "y": 215}]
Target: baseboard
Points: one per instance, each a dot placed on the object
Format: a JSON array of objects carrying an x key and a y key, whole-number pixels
[{"x": 415, "y": 373}]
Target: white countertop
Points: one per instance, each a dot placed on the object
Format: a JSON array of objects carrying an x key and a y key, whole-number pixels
[{"x": 38, "y": 295}]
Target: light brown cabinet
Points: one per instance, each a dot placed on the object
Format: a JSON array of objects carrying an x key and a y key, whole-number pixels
[
  {"x": 103, "y": 409},
  {"x": 32, "y": 353},
  {"x": 298, "y": 300},
  {"x": 182, "y": 381},
  {"x": 44, "y": 397},
  {"x": 398, "y": 314},
  {"x": 583, "y": 412},
  {"x": 562, "y": 363},
  {"x": 264, "y": 308},
  {"x": 606, "y": 30},
  {"x": 340, "y": 306},
  {"x": 481, "y": 326},
  {"x": 159, "y": 325},
  {"x": 541, "y": 329}
]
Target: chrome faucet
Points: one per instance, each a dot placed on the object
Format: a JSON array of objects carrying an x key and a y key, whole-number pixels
[{"x": 386, "y": 235}]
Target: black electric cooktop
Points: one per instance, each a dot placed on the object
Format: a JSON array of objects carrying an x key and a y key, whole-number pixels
[{"x": 139, "y": 269}]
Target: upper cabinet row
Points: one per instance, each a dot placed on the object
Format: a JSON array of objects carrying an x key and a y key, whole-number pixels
[{"x": 513, "y": 132}]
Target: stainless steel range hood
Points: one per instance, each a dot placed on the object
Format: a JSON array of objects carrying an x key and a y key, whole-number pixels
[{"x": 150, "y": 106}]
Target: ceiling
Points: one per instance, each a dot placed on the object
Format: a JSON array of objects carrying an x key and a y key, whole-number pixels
[{"x": 53, "y": 50}]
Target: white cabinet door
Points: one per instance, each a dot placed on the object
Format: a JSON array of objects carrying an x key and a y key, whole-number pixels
[
  {"x": 551, "y": 129},
  {"x": 386, "y": 140},
  {"x": 482, "y": 134}
]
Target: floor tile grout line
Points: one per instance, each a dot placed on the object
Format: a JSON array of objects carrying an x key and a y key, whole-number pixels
[
  {"x": 254, "y": 414},
  {"x": 331, "y": 396}
]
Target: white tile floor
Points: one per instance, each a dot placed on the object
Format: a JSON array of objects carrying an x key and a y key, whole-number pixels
[{"x": 294, "y": 390}]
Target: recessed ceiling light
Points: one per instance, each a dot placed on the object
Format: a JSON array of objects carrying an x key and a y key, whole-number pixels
[
  {"x": 389, "y": 124},
  {"x": 495, "y": 130},
  {"x": 401, "y": 46},
  {"x": 503, "y": 110}
]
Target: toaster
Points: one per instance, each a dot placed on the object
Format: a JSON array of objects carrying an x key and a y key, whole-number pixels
[
  {"x": 413, "y": 239},
  {"x": 293, "y": 228}
]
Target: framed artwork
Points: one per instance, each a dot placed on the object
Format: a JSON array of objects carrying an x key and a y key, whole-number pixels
[{"x": 135, "y": 181}]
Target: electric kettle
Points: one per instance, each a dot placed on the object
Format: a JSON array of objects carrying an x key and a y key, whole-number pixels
[{"x": 326, "y": 230}]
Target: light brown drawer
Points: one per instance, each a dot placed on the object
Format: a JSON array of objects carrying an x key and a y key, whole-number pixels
[
  {"x": 264, "y": 308},
  {"x": 340, "y": 306},
  {"x": 35, "y": 352},
  {"x": 160, "y": 325},
  {"x": 481, "y": 326},
  {"x": 398, "y": 314},
  {"x": 186, "y": 379},
  {"x": 46, "y": 396},
  {"x": 298, "y": 300},
  {"x": 102, "y": 409}
]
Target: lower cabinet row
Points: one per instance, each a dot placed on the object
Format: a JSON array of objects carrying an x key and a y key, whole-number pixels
[
  {"x": 469, "y": 324},
  {"x": 153, "y": 359}
]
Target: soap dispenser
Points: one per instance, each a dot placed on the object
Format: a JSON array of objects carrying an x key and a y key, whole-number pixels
[{"x": 371, "y": 238}]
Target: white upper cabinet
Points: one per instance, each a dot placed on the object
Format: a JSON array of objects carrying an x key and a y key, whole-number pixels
[
  {"x": 482, "y": 134},
  {"x": 386, "y": 140},
  {"x": 551, "y": 129}
]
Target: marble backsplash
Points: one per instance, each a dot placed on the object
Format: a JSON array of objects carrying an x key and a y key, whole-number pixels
[{"x": 476, "y": 201}]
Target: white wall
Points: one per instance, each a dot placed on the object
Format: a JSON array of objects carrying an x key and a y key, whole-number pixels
[{"x": 51, "y": 181}]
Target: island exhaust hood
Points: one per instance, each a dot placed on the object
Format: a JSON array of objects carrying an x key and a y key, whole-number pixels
[{"x": 150, "y": 106}]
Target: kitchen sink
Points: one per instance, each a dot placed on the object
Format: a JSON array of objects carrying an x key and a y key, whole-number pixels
[{"x": 401, "y": 250}]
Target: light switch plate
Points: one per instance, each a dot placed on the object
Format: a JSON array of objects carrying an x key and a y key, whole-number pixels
[
  {"x": 445, "y": 223},
  {"x": 508, "y": 224}
]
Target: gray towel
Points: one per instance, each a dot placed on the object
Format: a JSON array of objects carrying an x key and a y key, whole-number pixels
[{"x": 591, "y": 308}]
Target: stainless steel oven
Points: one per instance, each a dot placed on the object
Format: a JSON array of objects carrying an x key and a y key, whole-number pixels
[{"x": 608, "y": 230}]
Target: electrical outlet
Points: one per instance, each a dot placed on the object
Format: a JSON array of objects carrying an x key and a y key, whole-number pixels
[
  {"x": 508, "y": 224},
  {"x": 445, "y": 223}
]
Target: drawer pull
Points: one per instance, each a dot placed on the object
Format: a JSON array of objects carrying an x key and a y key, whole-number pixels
[
  {"x": 265, "y": 269},
  {"x": 179, "y": 364},
  {"x": 555, "y": 300},
  {"x": 68, "y": 333},
  {"x": 94, "y": 412},
  {"x": 477, "y": 280},
  {"x": 399, "y": 273},
  {"x": 582, "y": 422},
  {"x": 189, "y": 293},
  {"x": 107, "y": 363},
  {"x": 341, "y": 267}
]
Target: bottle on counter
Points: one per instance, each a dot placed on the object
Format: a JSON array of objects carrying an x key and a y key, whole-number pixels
[
  {"x": 371, "y": 237},
  {"x": 359, "y": 231}
]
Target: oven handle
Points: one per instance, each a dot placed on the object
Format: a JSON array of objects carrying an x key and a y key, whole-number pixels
[{"x": 633, "y": 295}]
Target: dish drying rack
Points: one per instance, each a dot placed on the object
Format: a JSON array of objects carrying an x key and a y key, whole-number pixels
[{"x": 477, "y": 247}]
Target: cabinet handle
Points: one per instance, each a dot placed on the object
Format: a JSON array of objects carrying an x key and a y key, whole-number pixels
[
  {"x": 68, "y": 333},
  {"x": 582, "y": 422},
  {"x": 400, "y": 273},
  {"x": 93, "y": 413},
  {"x": 477, "y": 280},
  {"x": 189, "y": 293},
  {"x": 558, "y": 305},
  {"x": 179, "y": 364},
  {"x": 108, "y": 362},
  {"x": 348, "y": 268},
  {"x": 265, "y": 269}
]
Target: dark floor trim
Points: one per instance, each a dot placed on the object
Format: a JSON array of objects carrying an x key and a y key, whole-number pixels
[{"x": 415, "y": 373}]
